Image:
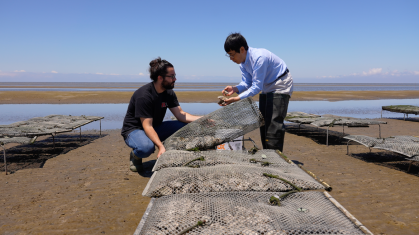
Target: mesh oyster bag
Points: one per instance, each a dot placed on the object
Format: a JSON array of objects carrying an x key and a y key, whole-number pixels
[
  {"x": 345, "y": 122},
  {"x": 404, "y": 145},
  {"x": 367, "y": 141},
  {"x": 222, "y": 125},
  {"x": 46, "y": 125},
  {"x": 410, "y": 109},
  {"x": 247, "y": 213},
  {"x": 301, "y": 115},
  {"x": 406, "y": 148},
  {"x": 226, "y": 178},
  {"x": 179, "y": 158}
]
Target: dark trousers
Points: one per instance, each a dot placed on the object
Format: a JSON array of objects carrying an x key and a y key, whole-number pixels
[{"x": 274, "y": 110}]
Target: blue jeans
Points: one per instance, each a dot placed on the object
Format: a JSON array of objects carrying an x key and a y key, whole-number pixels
[{"x": 143, "y": 146}]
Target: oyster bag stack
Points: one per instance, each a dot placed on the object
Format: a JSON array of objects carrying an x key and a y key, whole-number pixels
[
  {"x": 239, "y": 192},
  {"x": 246, "y": 213},
  {"x": 228, "y": 178},
  {"x": 191, "y": 159},
  {"x": 222, "y": 125}
]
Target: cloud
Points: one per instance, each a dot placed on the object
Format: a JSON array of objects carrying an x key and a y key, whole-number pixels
[
  {"x": 100, "y": 73},
  {"x": 11, "y": 75},
  {"x": 113, "y": 74},
  {"x": 54, "y": 71},
  {"x": 373, "y": 71},
  {"x": 141, "y": 74},
  {"x": 20, "y": 71}
]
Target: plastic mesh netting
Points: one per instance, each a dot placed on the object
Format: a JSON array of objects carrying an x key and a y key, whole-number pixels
[
  {"x": 220, "y": 126},
  {"x": 300, "y": 115},
  {"x": 335, "y": 120},
  {"x": 346, "y": 122},
  {"x": 245, "y": 213},
  {"x": 226, "y": 178},
  {"x": 364, "y": 140},
  {"x": 179, "y": 158},
  {"x": 20, "y": 140},
  {"x": 46, "y": 125},
  {"x": 405, "y": 145},
  {"x": 409, "y": 109},
  {"x": 406, "y": 148}
]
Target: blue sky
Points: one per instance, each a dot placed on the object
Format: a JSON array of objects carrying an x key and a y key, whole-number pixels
[{"x": 114, "y": 41}]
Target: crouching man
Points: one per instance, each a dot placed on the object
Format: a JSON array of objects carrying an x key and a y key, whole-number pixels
[{"x": 143, "y": 127}]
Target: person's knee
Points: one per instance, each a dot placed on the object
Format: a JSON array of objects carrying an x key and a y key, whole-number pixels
[
  {"x": 144, "y": 151},
  {"x": 178, "y": 124}
]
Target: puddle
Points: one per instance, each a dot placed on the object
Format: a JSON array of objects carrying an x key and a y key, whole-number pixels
[{"x": 114, "y": 113}]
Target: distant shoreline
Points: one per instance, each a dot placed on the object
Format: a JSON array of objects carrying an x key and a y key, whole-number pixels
[{"x": 116, "y": 97}]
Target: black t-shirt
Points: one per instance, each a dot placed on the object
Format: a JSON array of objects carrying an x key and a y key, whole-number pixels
[{"x": 147, "y": 103}]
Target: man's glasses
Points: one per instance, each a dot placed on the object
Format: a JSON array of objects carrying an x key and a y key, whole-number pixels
[
  {"x": 172, "y": 76},
  {"x": 230, "y": 56}
]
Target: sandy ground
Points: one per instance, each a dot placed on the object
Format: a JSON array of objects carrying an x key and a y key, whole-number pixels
[
  {"x": 85, "y": 187},
  {"x": 80, "y": 97}
]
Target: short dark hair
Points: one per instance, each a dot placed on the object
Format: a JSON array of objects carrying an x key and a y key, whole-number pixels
[
  {"x": 158, "y": 67},
  {"x": 234, "y": 42}
]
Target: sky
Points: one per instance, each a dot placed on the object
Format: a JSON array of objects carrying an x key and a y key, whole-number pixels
[{"x": 374, "y": 41}]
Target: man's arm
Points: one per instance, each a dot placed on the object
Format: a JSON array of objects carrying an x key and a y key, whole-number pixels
[
  {"x": 152, "y": 134},
  {"x": 182, "y": 115},
  {"x": 260, "y": 69}
]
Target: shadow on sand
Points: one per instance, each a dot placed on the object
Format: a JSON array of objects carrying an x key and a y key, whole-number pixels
[{"x": 35, "y": 155}]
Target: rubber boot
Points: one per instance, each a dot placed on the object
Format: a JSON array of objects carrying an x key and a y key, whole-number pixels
[
  {"x": 262, "y": 108},
  {"x": 274, "y": 109},
  {"x": 136, "y": 163}
]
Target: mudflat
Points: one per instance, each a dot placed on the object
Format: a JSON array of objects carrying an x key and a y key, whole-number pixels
[
  {"x": 82, "y": 97},
  {"x": 84, "y": 186}
]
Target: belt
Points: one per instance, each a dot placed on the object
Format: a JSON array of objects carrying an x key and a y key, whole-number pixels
[{"x": 285, "y": 73}]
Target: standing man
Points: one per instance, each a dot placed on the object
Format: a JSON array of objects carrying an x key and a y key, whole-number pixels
[
  {"x": 143, "y": 126},
  {"x": 262, "y": 71}
]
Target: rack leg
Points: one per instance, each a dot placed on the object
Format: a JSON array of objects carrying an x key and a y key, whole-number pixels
[
  {"x": 327, "y": 137},
  {"x": 4, "y": 157},
  {"x": 409, "y": 166},
  {"x": 100, "y": 127},
  {"x": 379, "y": 130},
  {"x": 80, "y": 134}
]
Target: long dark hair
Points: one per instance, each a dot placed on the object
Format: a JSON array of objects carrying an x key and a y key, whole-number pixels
[{"x": 158, "y": 67}]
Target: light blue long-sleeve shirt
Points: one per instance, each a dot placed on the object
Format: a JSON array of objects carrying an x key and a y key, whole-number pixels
[{"x": 260, "y": 69}]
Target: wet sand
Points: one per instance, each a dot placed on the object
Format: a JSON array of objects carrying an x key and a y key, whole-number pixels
[
  {"x": 85, "y": 187},
  {"x": 81, "y": 97}
]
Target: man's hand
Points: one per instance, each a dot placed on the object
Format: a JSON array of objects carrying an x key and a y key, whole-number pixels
[
  {"x": 162, "y": 149},
  {"x": 229, "y": 90},
  {"x": 231, "y": 100}
]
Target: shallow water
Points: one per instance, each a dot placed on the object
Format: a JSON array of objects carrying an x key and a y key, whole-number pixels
[
  {"x": 114, "y": 113},
  {"x": 110, "y": 86}
]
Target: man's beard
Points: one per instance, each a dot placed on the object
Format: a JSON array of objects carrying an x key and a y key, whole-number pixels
[{"x": 168, "y": 85}]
